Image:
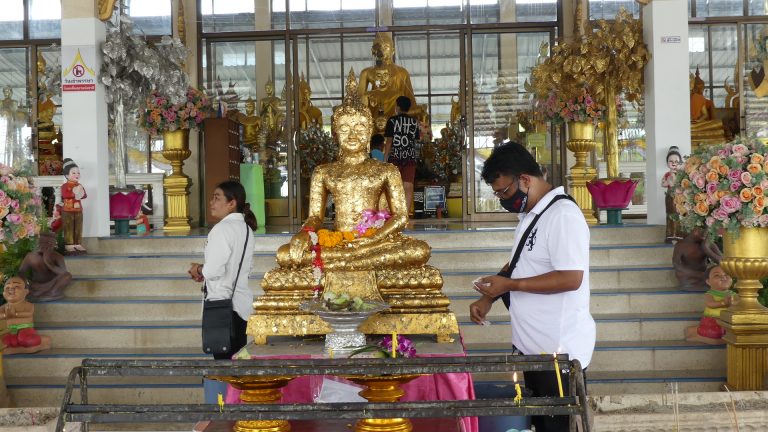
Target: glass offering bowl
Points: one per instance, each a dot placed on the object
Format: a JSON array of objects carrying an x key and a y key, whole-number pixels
[{"x": 345, "y": 336}]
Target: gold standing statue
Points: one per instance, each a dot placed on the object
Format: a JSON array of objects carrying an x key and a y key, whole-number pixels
[
  {"x": 251, "y": 125},
  {"x": 386, "y": 265},
  {"x": 271, "y": 113},
  {"x": 308, "y": 113}
]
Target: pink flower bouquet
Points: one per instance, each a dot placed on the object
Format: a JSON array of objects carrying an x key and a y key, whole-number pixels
[
  {"x": 20, "y": 212},
  {"x": 581, "y": 108},
  {"x": 160, "y": 115},
  {"x": 722, "y": 187}
]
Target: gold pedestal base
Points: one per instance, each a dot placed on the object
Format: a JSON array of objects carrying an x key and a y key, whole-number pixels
[
  {"x": 383, "y": 389},
  {"x": 443, "y": 325},
  {"x": 259, "y": 390},
  {"x": 177, "y": 203},
  {"x": 747, "y": 338},
  {"x": 577, "y": 181}
]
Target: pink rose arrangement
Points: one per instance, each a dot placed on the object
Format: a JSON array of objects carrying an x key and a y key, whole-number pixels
[
  {"x": 20, "y": 213},
  {"x": 580, "y": 108},
  {"x": 723, "y": 187},
  {"x": 160, "y": 115}
]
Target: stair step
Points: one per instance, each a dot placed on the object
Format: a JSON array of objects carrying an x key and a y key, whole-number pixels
[
  {"x": 49, "y": 390},
  {"x": 610, "y": 327},
  {"x": 661, "y": 355},
  {"x": 115, "y": 334},
  {"x": 470, "y": 258},
  {"x": 119, "y": 308},
  {"x": 60, "y": 361}
]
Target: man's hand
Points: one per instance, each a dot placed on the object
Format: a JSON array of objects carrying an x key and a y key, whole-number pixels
[
  {"x": 479, "y": 309},
  {"x": 492, "y": 286},
  {"x": 196, "y": 272}
]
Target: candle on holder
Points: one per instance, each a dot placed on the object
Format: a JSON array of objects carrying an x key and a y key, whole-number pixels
[
  {"x": 330, "y": 352},
  {"x": 519, "y": 396},
  {"x": 557, "y": 374},
  {"x": 394, "y": 344}
]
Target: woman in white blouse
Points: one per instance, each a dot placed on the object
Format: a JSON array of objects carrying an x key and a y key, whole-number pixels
[
  {"x": 224, "y": 248},
  {"x": 223, "y": 252}
]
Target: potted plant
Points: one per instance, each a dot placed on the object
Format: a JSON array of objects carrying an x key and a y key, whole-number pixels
[{"x": 722, "y": 190}]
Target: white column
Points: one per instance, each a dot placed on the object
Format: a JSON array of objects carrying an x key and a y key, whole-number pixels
[
  {"x": 667, "y": 98},
  {"x": 84, "y": 116}
]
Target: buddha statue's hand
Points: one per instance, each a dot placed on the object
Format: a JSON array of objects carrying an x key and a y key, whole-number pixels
[{"x": 299, "y": 244}]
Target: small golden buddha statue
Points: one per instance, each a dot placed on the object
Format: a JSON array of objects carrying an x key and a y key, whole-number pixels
[
  {"x": 270, "y": 112},
  {"x": 308, "y": 113},
  {"x": 385, "y": 81},
  {"x": 251, "y": 125},
  {"x": 387, "y": 265},
  {"x": 705, "y": 129},
  {"x": 46, "y": 129}
]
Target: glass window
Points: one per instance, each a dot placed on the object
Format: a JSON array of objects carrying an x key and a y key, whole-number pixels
[
  {"x": 754, "y": 81},
  {"x": 239, "y": 15},
  {"x": 12, "y": 20},
  {"x": 608, "y": 9},
  {"x": 758, "y": 7},
  {"x": 15, "y": 130},
  {"x": 419, "y": 12},
  {"x": 151, "y": 17},
  {"x": 45, "y": 19},
  {"x": 507, "y": 11},
  {"x": 709, "y": 8},
  {"x": 331, "y": 13}
]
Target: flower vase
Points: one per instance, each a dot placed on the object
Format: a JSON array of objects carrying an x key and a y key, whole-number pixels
[
  {"x": 581, "y": 141},
  {"x": 745, "y": 258},
  {"x": 176, "y": 185},
  {"x": 746, "y": 321}
]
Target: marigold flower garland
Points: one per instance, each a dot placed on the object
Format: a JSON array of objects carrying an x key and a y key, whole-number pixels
[{"x": 372, "y": 220}]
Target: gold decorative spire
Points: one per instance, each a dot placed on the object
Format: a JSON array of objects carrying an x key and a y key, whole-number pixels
[{"x": 352, "y": 104}]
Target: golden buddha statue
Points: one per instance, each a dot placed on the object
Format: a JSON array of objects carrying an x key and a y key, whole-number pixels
[
  {"x": 308, "y": 113},
  {"x": 46, "y": 129},
  {"x": 705, "y": 129},
  {"x": 251, "y": 125},
  {"x": 270, "y": 112},
  {"x": 387, "y": 80},
  {"x": 387, "y": 265}
]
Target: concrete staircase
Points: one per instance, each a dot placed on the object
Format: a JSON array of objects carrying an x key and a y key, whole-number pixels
[{"x": 131, "y": 298}]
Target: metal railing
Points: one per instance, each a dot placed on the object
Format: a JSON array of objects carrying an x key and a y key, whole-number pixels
[{"x": 573, "y": 404}]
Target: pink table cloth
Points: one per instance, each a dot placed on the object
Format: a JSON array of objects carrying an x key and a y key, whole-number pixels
[{"x": 447, "y": 386}]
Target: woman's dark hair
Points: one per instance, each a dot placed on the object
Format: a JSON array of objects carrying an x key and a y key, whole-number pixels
[
  {"x": 235, "y": 191},
  {"x": 674, "y": 151},
  {"x": 510, "y": 159},
  {"x": 377, "y": 141}
]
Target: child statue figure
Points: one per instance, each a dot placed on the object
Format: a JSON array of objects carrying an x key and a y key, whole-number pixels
[
  {"x": 717, "y": 299},
  {"x": 72, "y": 194},
  {"x": 674, "y": 162},
  {"x": 18, "y": 314}
]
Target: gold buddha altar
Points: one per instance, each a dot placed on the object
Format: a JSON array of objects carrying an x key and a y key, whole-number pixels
[{"x": 386, "y": 265}]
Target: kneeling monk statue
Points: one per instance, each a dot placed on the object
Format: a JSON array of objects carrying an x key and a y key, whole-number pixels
[{"x": 385, "y": 264}]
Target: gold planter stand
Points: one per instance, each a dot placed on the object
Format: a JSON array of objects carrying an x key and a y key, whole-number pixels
[
  {"x": 176, "y": 185},
  {"x": 383, "y": 389},
  {"x": 581, "y": 141},
  {"x": 746, "y": 322},
  {"x": 259, "y": 390}
]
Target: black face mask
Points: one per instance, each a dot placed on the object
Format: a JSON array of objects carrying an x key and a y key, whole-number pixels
[{"x": 517, "y": 202}]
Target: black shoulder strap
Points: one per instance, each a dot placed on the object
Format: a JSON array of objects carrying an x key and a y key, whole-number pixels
[
  {"x": 516, "y": 257},
  {"x": 239, "y": 266}
]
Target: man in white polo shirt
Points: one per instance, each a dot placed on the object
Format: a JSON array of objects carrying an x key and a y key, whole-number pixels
[{"x": 549, "y": 285}]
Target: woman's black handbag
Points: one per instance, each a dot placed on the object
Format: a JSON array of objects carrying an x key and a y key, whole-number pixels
[{"x": 217, "y": 317}]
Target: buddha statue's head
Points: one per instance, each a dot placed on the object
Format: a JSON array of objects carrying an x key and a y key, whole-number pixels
[
  {"x": 7, "y": 92},
  {"x": 269, "y": 87},
  {"x": 352, "y": 121},
  {"x": 250, "y": 106},
  {"x": 383, "y": 47}
]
